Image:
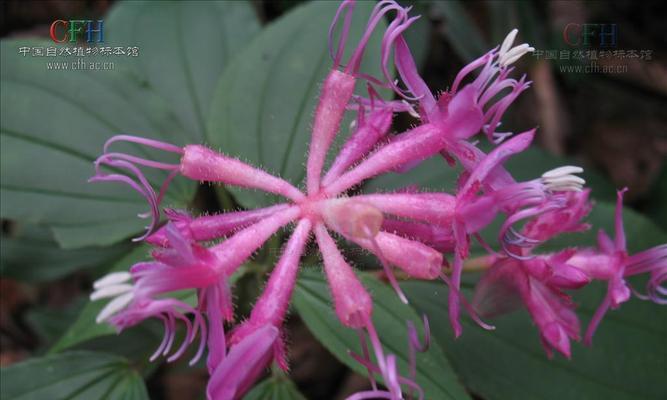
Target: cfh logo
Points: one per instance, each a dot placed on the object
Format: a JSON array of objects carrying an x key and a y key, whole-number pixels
[
  {"x": 605, "y": 35},
  {"x": 71, "y": 30}
]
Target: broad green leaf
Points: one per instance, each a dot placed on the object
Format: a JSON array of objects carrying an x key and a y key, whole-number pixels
[
  {"x": 275, "y": 388},
  {"x": 184, "y": 47},
  {"x": 31, "y": 254},
  {"x": 74, "y": 375},
  {"x": 163, "y": 93},
  {"x": 263, "y": 104},
  {"x": 47, "y": 160},
  {"x": 49, "y": 323},
  {"x": 85, "y": 328},
  {"x": 628, "y": 358},
  {"x": 390, "y": 316}
]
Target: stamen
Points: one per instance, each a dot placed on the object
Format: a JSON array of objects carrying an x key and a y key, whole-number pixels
[
  {"x": 110, "y": 291},
  {"x": 508, "y": 42},
  {"x": 563, "y": 179},
  {"x": 114, "y": 306},
  {"x": 113, "y": 278},
  {"x": 514, "y": 54}
]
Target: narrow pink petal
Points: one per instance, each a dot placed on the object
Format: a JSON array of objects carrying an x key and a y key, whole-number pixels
[
  {"x": 435, "y": 236},
  {"x": 416, "y": 259},
  {"x": 470, "y": 156},
  {"x": 214, "y": 226},
  {"x": 243, "y": 365},
  {"x": 407, "y": 68},
  {"x": 203, "y": 164},
  {"x": 217, "y": 346},
  {"x": 462, "y": 117},
  {"x": 272, "y": 304},
  {"x": 367, "y": 134},
  {"x": 352, "y": 302},
  {"x": 595, "y": 321},
  {"x": 336, "y": 93},
  {"x": 437, "y": 208},
  {"x": 417, "y": 144},
  {"x": 495, "y": 158},
  {"x": 236, "y": 249}
]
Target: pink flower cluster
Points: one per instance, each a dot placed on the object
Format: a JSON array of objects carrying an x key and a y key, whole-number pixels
[{"x": 409, "y": 230}]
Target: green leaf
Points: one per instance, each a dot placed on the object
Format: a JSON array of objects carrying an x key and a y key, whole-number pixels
[
  {"x": 164, "y": 93},
  {"x": 312, "y": 301},
  {"x": 50, "y": 323},
  {"x": 459, "y": 28},
  {"x": 85, "y": 328},
  {"x": 73, "y": 375},
  {"x": 32, "y": 255},
  {"x": 275, "y": 388},
  {"x": 184, "y": 47},
  {"x": 263, "y": 104},
  {"x": 47, "y": 161},
  {"x": 627, "y": 360}
]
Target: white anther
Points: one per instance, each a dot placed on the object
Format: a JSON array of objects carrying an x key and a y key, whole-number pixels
[
  {"x": 411, "y": 109},
  {"x": 114, "y": 306},
  {"x": 562, "y": 179},
  {"x": 353, "y": 125},
  {"x": 110, "y": 291},
  {"x": 562, "y": 171},
  {"x": 514, "y": 54},
  {"x": 113, "y": 278},
  {"x": 508, "y": 42}
]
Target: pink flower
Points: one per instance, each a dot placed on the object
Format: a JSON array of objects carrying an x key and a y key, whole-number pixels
[
  {"x": 508, "y": 284},
  {"x": 243, "y": 365},
  {"x": 180, "y": 262},
  {"x": 613, "y": 264},
  {"x": 538, "y": 282},
  {"x": 408, "y": 230}
]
